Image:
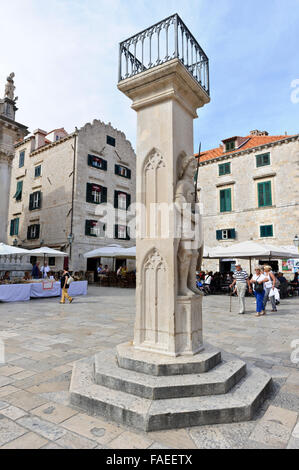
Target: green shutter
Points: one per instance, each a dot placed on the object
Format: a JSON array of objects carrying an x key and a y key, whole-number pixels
[
  {"x": 16, "y": 230},
  {"x": 225, "y": 200},
  {"x": 116, "y": 231},
  {"x": 224, "y": 169},
  {"x": 128, "y": 201},
  {"x": 12, "y": 227},
  {"x": 263, "y": 160},
  {"x": 264, "y": 194},
  {"x": 266, "y": 231},
  {"x": 219, "y": 234}
]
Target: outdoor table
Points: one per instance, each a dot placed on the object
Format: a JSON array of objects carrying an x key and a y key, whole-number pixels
[
  {"x": 15, "y": 292},
  {"x": 78, "y": 288},
  {"x": 45, "y": 289}
]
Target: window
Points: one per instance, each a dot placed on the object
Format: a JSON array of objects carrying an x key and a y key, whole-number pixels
[
  {"x": 227, "y": 234},
  {"x": 21, "y": 159},
  {"x": 123, "y": 171},
  {"x": 52, "y": 261},
  {"x": 94, "y": 229},
  {"x": 263, "y": 160},
  {"x": 229, "y": 146},
  {"x": 33, "y": 232},
  {"x": 111, "y": 141},
  {"x": 14, "y": 227},
  {"x": 224, "y": 169},
  {"x": 97, "y": 162},
  {"x": 264, "y": 194},
  {"x": 121, "y": 232},
  {"x": 266, "y": 231},
  {"x": 225, "y": 200},
  {"x": 122, "y": 200},
  {"x": 35, "y": 201},
  {"x": 37, "y": 171},
  {"x": 19, "y": 191},
  {"x": 96, "y": 194}
]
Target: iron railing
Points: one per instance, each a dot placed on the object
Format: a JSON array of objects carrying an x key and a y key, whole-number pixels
[{"x": 162, "y": 42}]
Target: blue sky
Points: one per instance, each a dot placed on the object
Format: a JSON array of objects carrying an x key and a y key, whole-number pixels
[{"x": 65, "y": 56}]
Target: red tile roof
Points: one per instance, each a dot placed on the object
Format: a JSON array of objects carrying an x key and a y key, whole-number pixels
[{"x": 253, "y": 141}]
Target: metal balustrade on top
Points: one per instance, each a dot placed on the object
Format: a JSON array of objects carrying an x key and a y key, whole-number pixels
[{"x": 169, "y": 39}]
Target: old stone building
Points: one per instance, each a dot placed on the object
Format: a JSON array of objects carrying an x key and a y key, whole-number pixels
[
  {"x": 248, "y": 188},
  {"x": 59, "y": 184}
]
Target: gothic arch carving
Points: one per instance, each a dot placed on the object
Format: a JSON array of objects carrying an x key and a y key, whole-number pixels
[{"x": 154, "y": 297}]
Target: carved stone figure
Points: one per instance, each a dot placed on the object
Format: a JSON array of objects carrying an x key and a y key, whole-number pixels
[
  {"x": 10, "y": 87},
  {"x": 190, "y": 245}
]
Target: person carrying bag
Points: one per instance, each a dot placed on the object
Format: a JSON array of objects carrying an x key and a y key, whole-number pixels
[{"x": 258, "y": 281}]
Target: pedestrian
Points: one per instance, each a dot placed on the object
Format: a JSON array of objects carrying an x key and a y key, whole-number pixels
[
  {"x": 64, "y": 286},
  {"x": 269, "y": 285},
  {"x": 45, "y": 270},
  {"x": 241, "y": 281},
  {"x": 258, "y": 280},
  {"x": 36, "y": 274}
]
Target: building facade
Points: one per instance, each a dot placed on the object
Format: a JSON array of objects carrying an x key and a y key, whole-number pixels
[
  {"x": 248, "y": 188},
  {"x": 60, "y": 183}
]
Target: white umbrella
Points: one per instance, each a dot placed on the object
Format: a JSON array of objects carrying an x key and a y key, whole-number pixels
[
  {"x": 7, "y": 250},
  {"x": 104, "y": 252},
  {"x": 249, "y": 249},
  {"x": 44, "y": 250}
]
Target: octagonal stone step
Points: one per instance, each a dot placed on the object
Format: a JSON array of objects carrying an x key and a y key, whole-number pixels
[
  {"x": 215, "y": 382},
  {"x": 160, "y": 365},
  {"x": 238, "y": 405}
]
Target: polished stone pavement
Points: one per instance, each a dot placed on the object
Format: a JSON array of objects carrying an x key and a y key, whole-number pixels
[{"x": 42, "y": 339}]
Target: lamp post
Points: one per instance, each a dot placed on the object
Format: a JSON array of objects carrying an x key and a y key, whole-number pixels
[{"x": 296, "y": 241}]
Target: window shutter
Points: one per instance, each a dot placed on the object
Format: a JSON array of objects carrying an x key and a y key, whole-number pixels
[
  {"x": 90, "y": 160},
  {"x": 40, "y": 200},
  {"x": 128, "y": 201},
  {"x": 116, "y": 199},
  {"x": 89, "y": 192},
  {"x": 262, "y": 230},
  {"x": 232, "y": 233},
  {"x": 222, "y": 201},
  {"x": 31, "y": 202},
  {"x": 117, "y": 169},
  {"x": 37, "y": 232},
  {"x": 28, "y": 232},
  {"x": 104, "y": 195},
  {"x": 219, "y": 234},
  {"x": 16, "y": 228},
  {"x": 12, "y": 224},
  {"x": 129, "y": 174},
  {"x": 127, "y": 234},
  {"x": 116, "y": 231},
  {"x": 87, "y": 227},
  {"x": 268, "y": 194},
  {"x": 104, "y": 168},
  {"x": 228, "y": 202}
]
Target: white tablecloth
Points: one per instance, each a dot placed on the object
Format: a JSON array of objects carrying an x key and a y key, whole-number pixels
[
  {"x": 15, "y": 292},
  {"x": 78, "y": 288},
  {"x": 45, "y": 289},
  {"x": 22, "y": 292}
]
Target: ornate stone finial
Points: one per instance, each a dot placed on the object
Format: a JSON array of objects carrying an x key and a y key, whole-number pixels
[{"x": 10, "y": 87}]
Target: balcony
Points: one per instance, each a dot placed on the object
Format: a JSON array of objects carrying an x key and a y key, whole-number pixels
[{"x": 167, "y": 40}]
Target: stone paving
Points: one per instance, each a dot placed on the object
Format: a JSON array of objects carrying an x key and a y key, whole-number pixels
[{"x": 42, "y": 340}]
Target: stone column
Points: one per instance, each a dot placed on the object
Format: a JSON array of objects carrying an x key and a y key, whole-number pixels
[
  {"x": 5, "y": 172},
  {"x": 168, "y": 317}
]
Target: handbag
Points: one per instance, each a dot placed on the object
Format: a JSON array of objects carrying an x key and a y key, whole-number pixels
[
  {"x": 70, "y": 280},
  {"x": 259, "y": 288}
]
